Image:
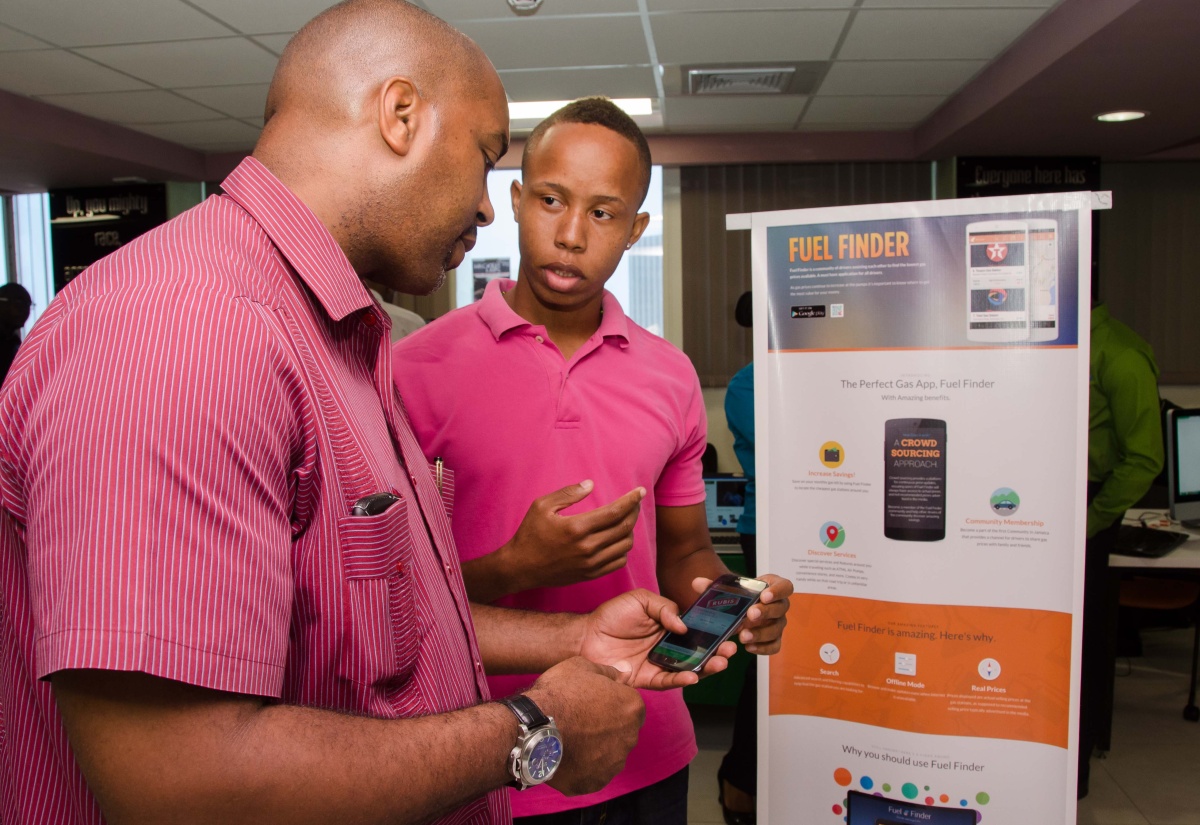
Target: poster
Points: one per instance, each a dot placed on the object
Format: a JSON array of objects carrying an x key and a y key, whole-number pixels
[{"x": 921, "y": 404}]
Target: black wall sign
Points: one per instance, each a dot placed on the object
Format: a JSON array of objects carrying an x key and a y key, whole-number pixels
[
  {"x": 985, "y": 177},
  {"x": 87, "y": 224}
]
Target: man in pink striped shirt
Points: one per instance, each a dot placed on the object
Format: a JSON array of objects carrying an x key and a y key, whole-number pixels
[{"x": 229, "y": 587}]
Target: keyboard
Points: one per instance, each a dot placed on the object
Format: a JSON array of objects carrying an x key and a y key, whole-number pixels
[{"x": 1147, "y": 542}]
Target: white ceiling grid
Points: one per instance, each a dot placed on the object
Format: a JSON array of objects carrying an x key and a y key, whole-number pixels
[{"x": 196, "y": 71}]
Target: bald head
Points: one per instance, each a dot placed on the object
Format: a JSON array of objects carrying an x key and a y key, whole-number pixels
[{"x": 330, "y": 69}]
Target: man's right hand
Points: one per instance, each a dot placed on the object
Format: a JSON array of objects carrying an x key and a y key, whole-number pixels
[
  {"x": 598, "y": 718},
  {"x": 551, "y": 550}
]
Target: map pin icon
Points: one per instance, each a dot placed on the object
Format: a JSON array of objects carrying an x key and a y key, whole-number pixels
[{"x": 832, "y": 532}]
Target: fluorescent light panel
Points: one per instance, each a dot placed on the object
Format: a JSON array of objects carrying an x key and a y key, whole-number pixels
[
  {"x": 1120, "y": 117},
  {"x": 538, "y": 109}
]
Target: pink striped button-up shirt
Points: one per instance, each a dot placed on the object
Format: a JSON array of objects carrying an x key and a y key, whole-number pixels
[{"x": 183, "y": 437}]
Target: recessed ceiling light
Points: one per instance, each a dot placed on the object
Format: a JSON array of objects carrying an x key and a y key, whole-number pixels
[
  {"x": 1120, "y": 117},
  {"x": 538, "y": 109}
]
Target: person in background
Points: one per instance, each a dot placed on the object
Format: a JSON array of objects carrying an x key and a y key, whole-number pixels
[
  {"x": 230, "y": 592},
  {"x": 738, "y": 775},
  {"x": 546, "y": 381},
  {"x": 15, "y": 304},
  {"x": 1125, "y": 453}
]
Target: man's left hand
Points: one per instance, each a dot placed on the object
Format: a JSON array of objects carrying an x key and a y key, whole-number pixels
[
  {"x": 761, "y": 632},
  {"x": 622, "y": 632}
]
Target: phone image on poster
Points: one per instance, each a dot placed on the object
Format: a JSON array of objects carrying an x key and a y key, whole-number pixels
[
  {"x": 869, "y": 809},
  {"x": 1043, "y": 280},
  {"x": 914, "y": 479},
  {"x": 998, "y": 281}
]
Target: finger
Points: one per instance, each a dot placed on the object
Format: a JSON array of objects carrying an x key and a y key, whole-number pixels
[
  {"x": 665, "y": 611},
  {"x": 766, "y": 634},
  {"x": 700, "y": 584},
  {"x": 670, "y": 680},
  {"x": 761, "y": 614},
  {"x": 608, "y": 567},
  {"x": 613, "y": 514},
  {"x": 572, "y": 493},
  {"x": 717, "y": 663},
  {"x": 778, "y": 588}
]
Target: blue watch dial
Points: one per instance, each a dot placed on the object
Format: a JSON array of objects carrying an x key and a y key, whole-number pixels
[{"x": 544, "y": 758}]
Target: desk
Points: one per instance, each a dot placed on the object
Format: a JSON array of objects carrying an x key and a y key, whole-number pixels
[{"x": 1182, "y": 562}]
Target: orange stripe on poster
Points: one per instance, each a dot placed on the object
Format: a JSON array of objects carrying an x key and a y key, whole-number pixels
[{"x": 992, "y": 672}]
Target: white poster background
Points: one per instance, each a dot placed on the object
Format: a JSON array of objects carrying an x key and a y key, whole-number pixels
[{"x": 1026, "y": 431}]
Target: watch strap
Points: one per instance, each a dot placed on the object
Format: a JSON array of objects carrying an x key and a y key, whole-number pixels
[{"x": 526, "y": 711}]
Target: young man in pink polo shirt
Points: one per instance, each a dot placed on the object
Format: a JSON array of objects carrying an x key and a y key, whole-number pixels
[{"x": 544, "y": 382}]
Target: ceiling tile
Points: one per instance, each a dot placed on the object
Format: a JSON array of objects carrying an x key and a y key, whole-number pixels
[
  {"x": 746, "y": 5},
  {"x": 181, "y": 64},
  {"x": 952, "y": 4},
  {"x": 532, "y": 42},
  {"x": 236, "y": 101},
  {"x": 946, "y": 33},
  {"x": 458, "y": 10},
  {"x": 568, "y": 84},
  {"x": 92, "y": 23},
  {"x": 56, "y": 71},
  {"x": 12, "y": 40},
  {"x": 729, "y": 113},
  {"x": 274, "y": 42},
  {"x": 859, "y": 110},
  {"x": 212, "y": 131},
  {"x": 264, "y": 16},
  {"x": 898, "y": 77},
  {"x": 705, "y": 37},
  {"x": 150, "y": 106}
]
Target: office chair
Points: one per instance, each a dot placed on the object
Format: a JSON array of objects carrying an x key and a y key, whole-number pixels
[{"x": 1169, "y": 594}]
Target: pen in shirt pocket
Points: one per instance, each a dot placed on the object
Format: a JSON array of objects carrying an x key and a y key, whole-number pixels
[{"x": 439, "y": 466}]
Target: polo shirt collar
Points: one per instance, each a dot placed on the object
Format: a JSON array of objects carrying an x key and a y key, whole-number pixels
[
  {"x": 501, "y": 318},
  {"x": 300, "y": 237}
]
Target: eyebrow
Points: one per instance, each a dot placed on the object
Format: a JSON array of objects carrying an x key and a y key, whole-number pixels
[{"x": 502, "y": 139}]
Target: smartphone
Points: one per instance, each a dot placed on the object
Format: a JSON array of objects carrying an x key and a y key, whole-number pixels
[
  {"x": 710, "y": 621},
  {"x": 1043, "y": 280},
  {"x": 998, "y": 281},
  {"x": 869, "y": 809},
  {"x": 914, "y": 479}
]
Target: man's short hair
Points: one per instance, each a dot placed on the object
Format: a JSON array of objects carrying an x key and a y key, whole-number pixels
[{"x": 602, "y": 112}]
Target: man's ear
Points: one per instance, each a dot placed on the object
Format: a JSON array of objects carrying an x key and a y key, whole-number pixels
[
  {"x": 515, "y": 192},
  {"x": 640, "y": 222},
  {"x": 400, "y": 109}
]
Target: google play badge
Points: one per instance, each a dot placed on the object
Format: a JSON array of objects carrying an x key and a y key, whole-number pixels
[{"x": 833, "y": 534}]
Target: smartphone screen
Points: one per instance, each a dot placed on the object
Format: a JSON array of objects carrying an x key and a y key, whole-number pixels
[
  {"x": 1043, "y": 280},
  {"x": 998, "y": 281},
  {"x": 914, "y": 479},
  {"x": 710, "y": 621},
  {"x": 869, "y": 809}
]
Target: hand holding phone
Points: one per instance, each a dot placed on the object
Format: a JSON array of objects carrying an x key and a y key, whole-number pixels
[{"x": 712, "y": 619}]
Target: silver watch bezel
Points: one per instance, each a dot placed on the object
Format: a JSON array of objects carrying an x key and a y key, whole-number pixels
[{"x": 518, "y": 758}]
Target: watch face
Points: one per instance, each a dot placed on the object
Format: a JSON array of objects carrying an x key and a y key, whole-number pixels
[{"x": 544, "y": 758}]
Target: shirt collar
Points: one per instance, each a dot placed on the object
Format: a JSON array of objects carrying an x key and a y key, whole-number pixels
[
  {"x": 300, "y": 237},
  {"x": 501, "y": 318}
]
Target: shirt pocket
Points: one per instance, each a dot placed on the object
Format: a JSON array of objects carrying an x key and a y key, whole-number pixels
[
  {"x": 381, "y": 634},
  {"x": 443, "y": 477}
]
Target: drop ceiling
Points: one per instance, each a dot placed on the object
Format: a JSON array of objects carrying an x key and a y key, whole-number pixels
[{"x": 164, "y": 87}]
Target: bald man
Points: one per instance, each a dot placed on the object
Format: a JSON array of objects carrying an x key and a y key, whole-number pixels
[{"x": 228, "y": 587}]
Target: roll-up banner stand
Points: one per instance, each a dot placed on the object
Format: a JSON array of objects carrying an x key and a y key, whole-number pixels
[{"x": 921, "y": 409}]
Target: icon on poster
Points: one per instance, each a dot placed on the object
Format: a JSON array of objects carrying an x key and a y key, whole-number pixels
[
  {"x": 906, "y": 664},
  {"x": 1005, "y": 501},
  {"x": 832, "y": 454},
  {"x": 833, "y": 535},
  {"x": 989, "y": 669},
  {"x": 830, "y": 653}
]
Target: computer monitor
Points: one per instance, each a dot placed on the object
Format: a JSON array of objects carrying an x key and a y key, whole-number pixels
[
  {"x": 724, "y": 497},
  {"x": 1183, "y": 465}
]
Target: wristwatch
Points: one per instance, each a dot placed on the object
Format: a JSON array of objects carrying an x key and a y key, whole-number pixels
[{"x": 538, "y": 751}]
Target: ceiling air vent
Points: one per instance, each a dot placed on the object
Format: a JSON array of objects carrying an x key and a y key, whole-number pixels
[{"x": 761, "y": 81}]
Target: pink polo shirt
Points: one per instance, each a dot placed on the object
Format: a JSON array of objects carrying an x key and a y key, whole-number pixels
[
  {"x": 184, "y": 435},
  {"x": 491, "y": 395}
]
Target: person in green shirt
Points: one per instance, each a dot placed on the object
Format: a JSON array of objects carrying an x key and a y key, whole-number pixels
[{"x": 1125, "y": 453}]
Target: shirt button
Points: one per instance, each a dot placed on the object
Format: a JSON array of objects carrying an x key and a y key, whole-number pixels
[
  {"x": 369, "y": 318},
  {"x": 400, "y": 567},
  {"x": 540, "y": 339}
]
